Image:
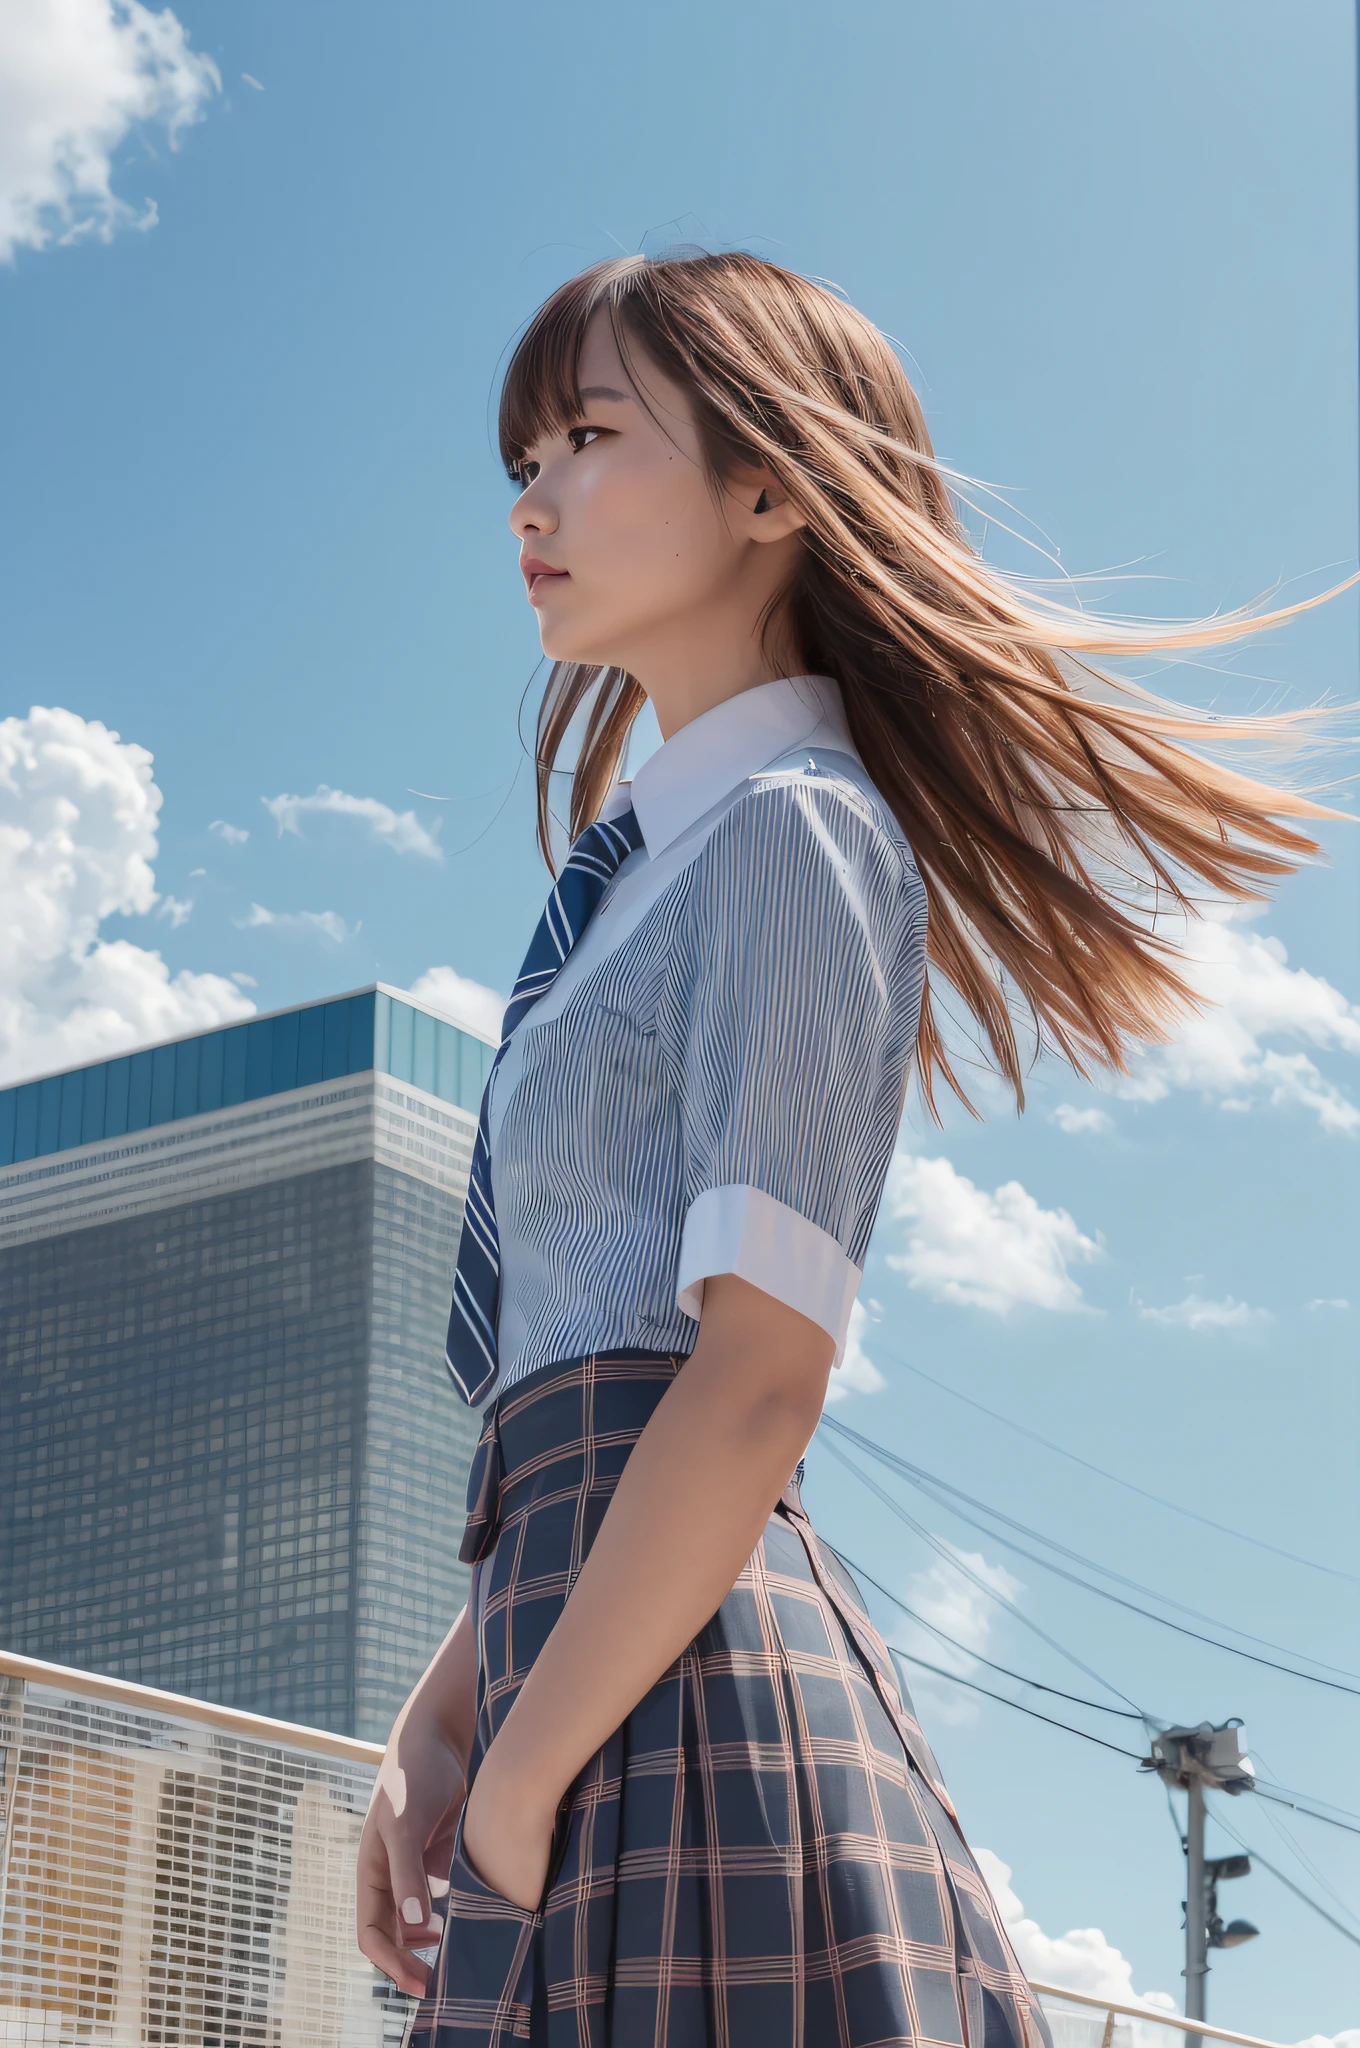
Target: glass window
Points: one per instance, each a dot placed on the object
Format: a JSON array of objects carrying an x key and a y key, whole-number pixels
[
  {"x": 283, "y": 1066},
  {"x": 187, "y": 1056},
  {"x": 422, "y": 1057},
  {"x": 335, "y": 1040},
  {"x": 234, "y": 1065},
  {"x": 9, "y": 1103},
  {"x": 93, "y": 1103},
  {"x": 401, "y": 1043},
  {"x": 116, "y": 1097},
  {"x": 311, "y": 1037},
  {"x": 362, "y": 1034},
  {"x": 210, "y": 1051},
  {"x": 49, "y": 1113},
  {"x": 162, "y": 1084},
  {"x": 259, "y": 1059},
  {"x": 139, "y": 1091},
  {"x": 72, "y": 1099}
]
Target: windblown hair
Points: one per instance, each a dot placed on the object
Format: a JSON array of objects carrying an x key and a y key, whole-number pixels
[{"x": 1050, "y": 807}]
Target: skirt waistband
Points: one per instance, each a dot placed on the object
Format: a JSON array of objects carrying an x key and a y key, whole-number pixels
[{"x": 589, "y": 1411}]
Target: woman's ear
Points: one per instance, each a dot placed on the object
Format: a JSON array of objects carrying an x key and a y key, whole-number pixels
[{"x": 768, "y": 511}]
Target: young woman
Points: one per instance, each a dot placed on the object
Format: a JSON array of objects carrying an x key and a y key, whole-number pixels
[{"x": 661, "y": 1778}]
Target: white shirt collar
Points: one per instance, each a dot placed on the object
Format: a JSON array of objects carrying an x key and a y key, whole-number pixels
[{"x": 697, "y": 766}]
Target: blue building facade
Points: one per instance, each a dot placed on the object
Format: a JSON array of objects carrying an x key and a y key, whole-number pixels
[{"x": 231, "y": 1463}]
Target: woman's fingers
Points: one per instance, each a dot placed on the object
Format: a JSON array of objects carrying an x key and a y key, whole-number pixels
[
  {"x": 409, "y": 1886},
  {"x": 382, "y": 1929}
]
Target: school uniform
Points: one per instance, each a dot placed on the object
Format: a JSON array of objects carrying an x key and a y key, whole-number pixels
[{"x": 704, "y": 1071}]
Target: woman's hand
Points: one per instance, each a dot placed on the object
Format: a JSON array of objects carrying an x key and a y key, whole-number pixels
[
  {"x": 407, "y": 1841},
  {"x": 404, "y": 1853},
  {"x": 507, "y": 1835}
]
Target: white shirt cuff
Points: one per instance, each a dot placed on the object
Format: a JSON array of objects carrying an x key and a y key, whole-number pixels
[{"x": 745, "y": 1231}]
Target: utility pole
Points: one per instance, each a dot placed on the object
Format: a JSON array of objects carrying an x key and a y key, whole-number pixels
[{"x": 1199, "y": 1760}]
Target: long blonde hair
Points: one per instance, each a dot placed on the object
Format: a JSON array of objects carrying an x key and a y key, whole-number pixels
[{"x": 1044, "y": 801}]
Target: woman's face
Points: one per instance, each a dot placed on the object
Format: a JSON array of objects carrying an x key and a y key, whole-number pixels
[{"x": 628, "y": 551}]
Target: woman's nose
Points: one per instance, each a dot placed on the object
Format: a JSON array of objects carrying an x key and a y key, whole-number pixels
[{"x": 532, "y": 511}]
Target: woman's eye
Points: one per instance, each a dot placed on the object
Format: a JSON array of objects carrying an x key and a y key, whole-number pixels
[
  {"x": 581, "y": 437},
  {"x": 523, "y": 474}
]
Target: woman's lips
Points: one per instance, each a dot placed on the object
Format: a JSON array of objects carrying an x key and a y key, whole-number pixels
[{"x": 538, "y": 574}]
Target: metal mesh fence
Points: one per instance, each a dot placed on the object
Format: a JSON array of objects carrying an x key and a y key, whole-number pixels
[{"x": 166, "y": 1881}]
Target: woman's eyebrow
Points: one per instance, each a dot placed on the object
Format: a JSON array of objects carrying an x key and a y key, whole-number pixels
[{"x": 604, "y": 391}]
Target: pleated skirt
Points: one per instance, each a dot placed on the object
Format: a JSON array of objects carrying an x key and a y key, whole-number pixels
[{"x": 763, "y": 1855}]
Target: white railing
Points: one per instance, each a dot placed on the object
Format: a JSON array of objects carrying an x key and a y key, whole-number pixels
[
  {"x": 179, "y": 1873},
  {"x": 1113, "y": 2010}
]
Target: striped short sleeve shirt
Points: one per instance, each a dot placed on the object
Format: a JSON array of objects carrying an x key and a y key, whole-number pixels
[{"x": 715, "y": 1080}]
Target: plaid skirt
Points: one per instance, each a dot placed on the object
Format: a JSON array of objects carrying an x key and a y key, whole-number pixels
[{"x": 763, "y": 1855}]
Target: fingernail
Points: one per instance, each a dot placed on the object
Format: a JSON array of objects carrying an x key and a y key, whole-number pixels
[
  {"x": 438, "y": 1887},
  {"x": 410, "y": 1910}
]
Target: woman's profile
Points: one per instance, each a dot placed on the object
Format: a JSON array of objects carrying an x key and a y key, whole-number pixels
[{"x": 661, "y": 1780}]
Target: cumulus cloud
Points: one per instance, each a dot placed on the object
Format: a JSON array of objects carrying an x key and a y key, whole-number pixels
[
  {"x": 466, "y": 1002},
  {"x": 947, "y": 1593},
  {"x": 1254, "y": 996},
  {"x": 1083, "y": 1959},
  {"x": 78, "y": 824},
  {"x": 1081, "y": 1122},
  {"x": 327, "y": 924},
  {"x": 401, "y": 830},
  {"x": 78, "y": 78},
  {"x": 856, "y": 1373},
  {"x": 1327, "y": 1301},
  {"x": 1195, "y": 1313},
  {"x": 234, "y": 835},
  {"x": 995, "y": 1251},
  {"x": 176, "y": 909}
]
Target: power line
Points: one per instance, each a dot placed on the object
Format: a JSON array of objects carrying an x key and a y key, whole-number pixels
[
  {"x": 1117, "y": 1479},
  {"x": 1346, "y": 1827},
  {"x": 1033, "y": 1712},
  {"x": 1096, "y": 1706},
  {"x": 917, "y": 1475},
  {"x": 928, "y": 1484},
  {"x": 957, "y": 1564}
]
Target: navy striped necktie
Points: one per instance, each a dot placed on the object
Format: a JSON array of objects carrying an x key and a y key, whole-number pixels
[{"x": 594, "y": 860}]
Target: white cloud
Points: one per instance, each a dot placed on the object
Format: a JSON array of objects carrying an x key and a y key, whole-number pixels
[
  {"x": 1081, "y": 1122},
  {"x": 252, "y": 81},
  {"x": 245, "y": 980},
  {"x": 78, "y": 823},
  {"x": 1253, "y": 996},
  {"x": 997, "y": 1251},
  {"x": 1349, "y": 2037},
  {"x": 234, "y": 835},
  {"x": 466, "y": 1002},
  {"x": 176, "y": 909},
  {"x": 328, "y": 923},
  {"x": 77, "y": 78},
  {"x": 856, "y": 1373},
  {"x": 1195, "y": 1313},
  {"x": 401, "y": 830},
  {"x": 1327, "y": 1301},
  {"x": 1083, "y": 1959},
  {"x": 946, "y": 1595}
]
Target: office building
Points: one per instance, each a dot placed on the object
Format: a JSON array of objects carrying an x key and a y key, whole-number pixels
[{"x": 231, "y": 1461}]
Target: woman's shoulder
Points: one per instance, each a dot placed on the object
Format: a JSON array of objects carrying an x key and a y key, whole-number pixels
[
  {"x": 811, "y": 805},
  {"x": 808, "y": 843}
]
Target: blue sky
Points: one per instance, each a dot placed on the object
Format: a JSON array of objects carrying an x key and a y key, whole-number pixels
[{"x": 254, "y": 525}]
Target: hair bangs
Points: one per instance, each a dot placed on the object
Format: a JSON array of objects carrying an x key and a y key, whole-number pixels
[{"x": 542, "y": 392}]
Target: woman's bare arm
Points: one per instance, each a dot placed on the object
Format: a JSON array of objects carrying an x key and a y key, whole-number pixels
[
  {"x": 688, "y": 1511},
  {"x": 407, "y": 1838}
]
